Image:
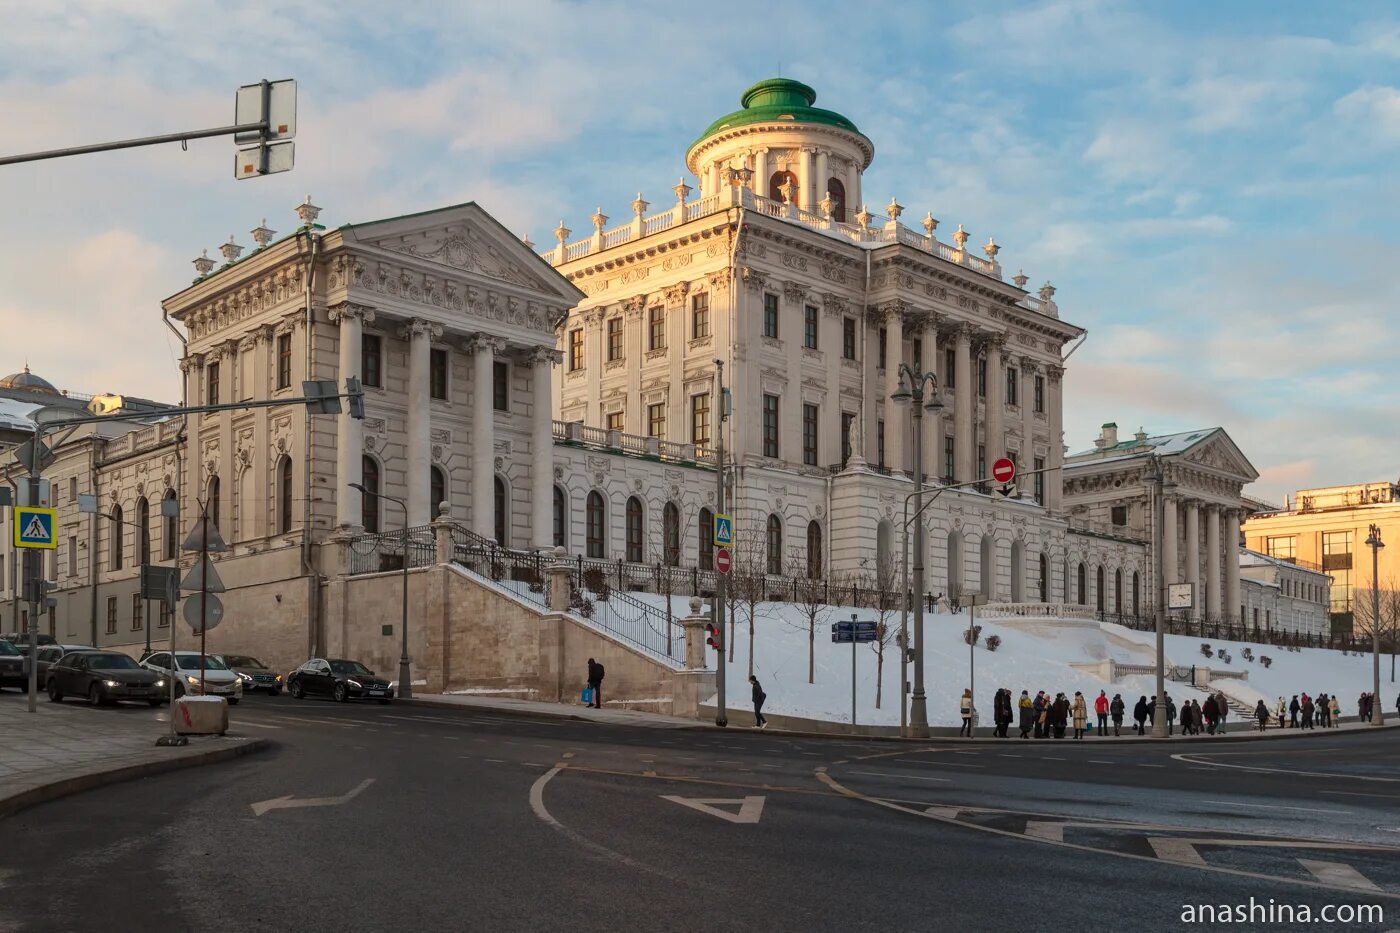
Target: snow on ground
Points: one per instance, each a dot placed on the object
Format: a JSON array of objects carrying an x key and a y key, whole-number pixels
[{"x": 1035, "y": 654}]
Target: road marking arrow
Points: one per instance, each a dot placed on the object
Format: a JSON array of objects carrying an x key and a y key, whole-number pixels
[
  {"x": 291, "y": 803},
  {"x": 750, "y": 808}
]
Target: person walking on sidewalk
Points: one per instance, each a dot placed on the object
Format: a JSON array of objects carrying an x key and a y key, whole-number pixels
[
  {"x": 1222, "y": 709},
  {"x": 1101, "y": 711},
  {"x": 965, "y": 709},
  {"x": 1116, "y": 710},
  {"x": 1027, "y": 712},
  {"x": 1140, "y": 713},
  {"x": 1188, "y": 719},
  {"x": 1334, "y": 716},
  {"x": 1282, "y": 713},
  {"x": 759, "y": 721},
  {"x": 1210, "y": 714},
  {"x": 1293, "y": 709},
  {"x": 1003, "y": 711},
  {"x": 1060, "y": 714},
  {"x": 595, "y": 683},
  {"x": 1197, "y": 716},
  {"x": 1324, "y": 711},
  {"x": 1308, "y": 712},
  {"x": 1081, "y": 715},
  {"x": 1171, "y": 714},
  {"x": 1261, "y": 713}
]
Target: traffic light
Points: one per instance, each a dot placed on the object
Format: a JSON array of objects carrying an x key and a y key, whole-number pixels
[
  {"x": 356, "y": 397},
  {"x": 714, "y": 636}
]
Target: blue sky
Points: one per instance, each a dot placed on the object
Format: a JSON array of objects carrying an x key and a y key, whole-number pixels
[{"x": 1207, "y": 185}]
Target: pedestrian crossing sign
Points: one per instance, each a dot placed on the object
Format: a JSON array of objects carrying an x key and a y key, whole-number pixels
[
  {"x": 724, "y": 531},
  {"x": 34, "y": 528}
]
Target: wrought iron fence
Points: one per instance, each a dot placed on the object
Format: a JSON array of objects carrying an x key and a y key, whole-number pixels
[
  {"x": 1224, "y": 630},
  {"x": 385, "y": 551},
  {"x": 627, "y": 618}
]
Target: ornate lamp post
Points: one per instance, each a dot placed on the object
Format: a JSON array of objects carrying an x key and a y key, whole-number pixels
[{"x": 1373, "y": 541}]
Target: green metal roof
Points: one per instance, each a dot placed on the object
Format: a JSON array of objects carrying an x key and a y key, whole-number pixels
[{"x": 778, "y": 100}]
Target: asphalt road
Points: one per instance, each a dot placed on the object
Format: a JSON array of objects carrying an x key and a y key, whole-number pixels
[{"x": 372, "y": 817}]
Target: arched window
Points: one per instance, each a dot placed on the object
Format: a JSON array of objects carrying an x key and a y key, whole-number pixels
[
  {"x": 1118, "y": 591},
  {"x": 1018, "y": 571},
  {"x": 143, "y": 531},
  {"x": 775, "y": 545},
  {"x": 169, "y": 541},
  {"x": 369, "y": 502},
  {"x": 814, "y": 550},
  {"x": 837, "y": 191},
  {"x": 987, "y": 573},
  {"x": 884, "y": 545},
  {"x": 561, "y": 518},
  {"x": 1099, "y": 594},
  {"x": 115, "y": 547},
  {"x": 284, "y": 495},
  {"x": 775, "y": 186},
  {"x": 707, "y": 539},
  {"x": 671, "y": 535},
  {"x": 1083, "y": 593},
  {"x": 502, "y": 513},
  {"x": 1044, "y": 579},
  {"x": 1135, "y": 593},
  {"x": 634, "y": 530},
  {"x": 211, "y": 499},
  {"x": 595, "y": 525},
  {"x": 955, "y": 564},
  {"x": 437, "y": 491}
]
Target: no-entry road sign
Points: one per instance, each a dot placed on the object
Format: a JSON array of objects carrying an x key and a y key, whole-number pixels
[
  {"x": 724, "y": 561},
  {"x": 1004, "y": 470}
]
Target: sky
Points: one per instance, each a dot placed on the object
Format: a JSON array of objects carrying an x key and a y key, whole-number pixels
[{"x": 1207, "y": 185}]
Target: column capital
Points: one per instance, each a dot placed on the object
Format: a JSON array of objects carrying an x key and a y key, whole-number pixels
[
  {"x": 962, "y": 331},
  {"x": 995, "y": 340},
  {"x": 1055, "y": 372},
  {"x": 1029, "y": 364},
  {"x": 348, "y": 310},
  {"x": 833, "y": 305},
  {"x": 544, "y": 356},
  {"x": 635, "y": 305},
  {"x": 484, "y": 343},
  {"x": 795, "y": 291},
  {"x": 753, "y": 278},
  {"x": 191, "y": 362},
  {"x": 885, "y": 311},
  {"x": 676, "y": 293},
  {"x": 417, "y": 327},
  {"x": 593, "y": 316}
]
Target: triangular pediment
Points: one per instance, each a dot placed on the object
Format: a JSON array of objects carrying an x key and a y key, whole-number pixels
[
  {"x": 1218, "y": 452},
  {"x": 464, "y": 239}
]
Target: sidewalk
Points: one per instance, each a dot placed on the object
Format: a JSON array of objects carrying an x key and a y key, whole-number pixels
[
  {"x": 57, "y": 751},
  {"x": 512, "y": 707}
]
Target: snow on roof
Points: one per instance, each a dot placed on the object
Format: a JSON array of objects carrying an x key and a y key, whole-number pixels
[
  {"x": 1164, "y": 444},
  {"x": 1250, "y": 558},
  {"x": 14, "y": 414}
]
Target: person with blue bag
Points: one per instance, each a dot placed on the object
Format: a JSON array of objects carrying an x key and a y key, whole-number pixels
[{"x": 593, "y": 693}]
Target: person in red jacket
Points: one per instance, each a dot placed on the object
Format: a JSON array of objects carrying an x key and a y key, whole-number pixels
[{"x": 1101, "y": 710}]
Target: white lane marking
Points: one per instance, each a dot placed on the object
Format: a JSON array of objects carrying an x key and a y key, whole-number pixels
[
  {"x": 542, "y": 812},
  {"x": 1270, "y": 806},
  {"x": 1190, "y": 758},
  {"x": 1010, "y": 756},
  {"x": 254, "y": 725},
  {"x": 964, "y": 753},
  {"x": 291, "y": 803},
  {"x": 496, "y": 761},
  {"x": 298, "y": 720},
  {"x": 904, "y": 777},
  {"x": 1345, "y": 793},
  {"x": 938, "y": 763},
  {"x": 1153, "y": 766},
  {"x": 1338, "y": 873},
  {"x": 1050, "y": 758},
  {"x": 750, "y": 807},
  {"x": 1100, "y": 761},
  {"x": 1176, "y": 850}
]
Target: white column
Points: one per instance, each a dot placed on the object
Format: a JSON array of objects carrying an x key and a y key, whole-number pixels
[
  {"x": 350, "y": 435},
  {"x": 819, "y": 181},
  {"x": 419, "y": 334},
  {"x": 896, "y": 418},
  {"x": 964, "y": 391},
  {"x": 853, "y": 201},
  {"x": 1028, "y": 368},
  {"x": 760, "y": 172},
  {"x": 1193, "y": 555},
  {"x": 1231, "y": 553},
  {"x": 996, "y": 400},
  {"x": 712, "y": 179},
  {"x": 1212, "y": 606},
  {"x": 829, "y": 438},
  {"x": 805, "y": 199},
  {"x": 542, "y": 360},
  {"x": 1054, "y": 480},
  {"x": 1170, "y": 533},
  {"x": 933, "y": 422},
  {"x": 483, "y": 435}
]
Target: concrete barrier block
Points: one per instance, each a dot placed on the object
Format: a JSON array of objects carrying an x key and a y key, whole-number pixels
[{"x": 201, "y": 716}]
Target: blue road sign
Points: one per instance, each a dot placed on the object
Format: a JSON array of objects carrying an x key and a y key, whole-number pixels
[
  {"x": 724, "y": 531},
  {"x": 34, "y": 528},
  {"x": 850, "y": 630}
]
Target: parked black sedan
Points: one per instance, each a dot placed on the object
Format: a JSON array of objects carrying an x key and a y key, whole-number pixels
[
  {"x": 255, "y": 674},
  {"x": 104, "y": 677},
  {"x": 338, "y": 679},
  {"x": 13, "y": 673}
]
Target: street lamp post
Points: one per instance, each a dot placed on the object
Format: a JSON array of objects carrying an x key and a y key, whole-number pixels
[
  {"x": 405, "y": 675},
  {"x": 1374, "y": 542},
  {"x": 912, "y": 386},
  {"x": 1159, "y": 715}
]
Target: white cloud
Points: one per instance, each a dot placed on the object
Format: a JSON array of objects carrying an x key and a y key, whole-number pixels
[{"x": 1373, "y": 110}]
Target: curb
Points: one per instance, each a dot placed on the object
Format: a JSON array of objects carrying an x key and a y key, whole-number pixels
[
  {"x": 494, "y": 710},
  {"x": 79, "y": 783}
]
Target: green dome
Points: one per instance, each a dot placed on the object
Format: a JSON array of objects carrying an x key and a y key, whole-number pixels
[{"x": 779, "y": 100}]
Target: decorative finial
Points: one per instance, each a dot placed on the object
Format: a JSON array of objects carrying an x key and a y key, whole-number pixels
[
  {"x": 262, "y": 235},
  {"x": 561, "y": 232},
  {"x": 827, "y": 205},
  {"x": 308, "y": 212},
  {"x": 203, "y": 264},
  {"x": 894, "y": 208},
  {"x": 1047, "y": 292},
  {"x": 991, "y": 249},
  {"x": 960, "y": 237},
  {"x": 231, "y": 250},
  {"x": 787, "y": 189},
  {"x": 639, "y": 206},
  {"x": 529, "y": 244},
  {"x": 682, "y": 190},
  {"x": 930, "y": 224},
  {"x": 863, "y": 217},
  {"x": 599, "y": 218}
]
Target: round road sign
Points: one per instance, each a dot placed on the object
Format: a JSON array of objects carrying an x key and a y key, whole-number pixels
[
  {"x": 723, "y": 560},
  {"x": 1004, "y": 470},
  {"x": 213, "y": 610}
]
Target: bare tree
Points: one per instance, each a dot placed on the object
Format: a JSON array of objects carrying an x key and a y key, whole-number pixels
[
  {"x": 885, "y": 600},
  {"x": 1388, "y": 625},
  {"x": 746, "y": 583},
  {"x": 811, "y": 597}
]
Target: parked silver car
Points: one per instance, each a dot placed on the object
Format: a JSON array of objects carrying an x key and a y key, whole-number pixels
[{"x": 219, "y": 681}]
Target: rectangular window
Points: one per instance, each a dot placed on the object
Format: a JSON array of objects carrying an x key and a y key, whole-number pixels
[
  {"x": 770, "y": 315},
  {"x": 1284, "y": 547},
  {"x": 284, "y": 361},
  {"x": 656, "y": 329},
  {"x": 135, "y": 612},
  {"x": 166, "y": 613},
  {"x": 615, "y": 419},
  {"x": 770, "y": 426},
  {"x": 700, "y": 316},
  {"x": 500, "y": 385},
  {"x": 981, "y": 461},
  {"x": 371, "y": 361},
  {"x": 880, "y": 442},
  {"x": 576, "y": 349},
  {"x": 1119, "y": 515},
  {"x": 614, "y": 338},
  {"x": 809, "y": 435},
  {"x": 437, "y": 373},
  {"x": 883, "y": 333},
  {"x": 809, "y": 327},
  {"x": 72, "y": 489},
  {"x": 982, "y": 377},
  {"x": 918, "y": 359},
  {"x": 1013, "y": 385},
  {"x": 700, "y": 420},
  {"x": 949, "y": 459},
  {"x": 847, "y": 419},
  {"x": 848, "y": 338},
  {"x": 111, "y": 615},
  {"x": 211, "y": 384},
  {"x": 1039, "y": 464},
  {"x": 1040, "y": 395},
  {"x": 72, "y": 555},
  {"x": 656, "y": 420},
  {"x": 1337, "y": 560}
]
